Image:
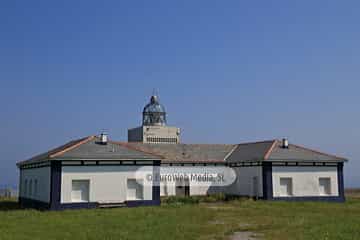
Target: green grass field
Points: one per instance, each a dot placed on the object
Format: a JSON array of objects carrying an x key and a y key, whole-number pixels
[{"x": 275, "y": 220}]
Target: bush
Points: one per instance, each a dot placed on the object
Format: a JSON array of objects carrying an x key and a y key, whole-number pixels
[
  {"x": 211, "y": 198},
  {"x": 181, "y": 200},
  {"x": 216, "y": 197}
]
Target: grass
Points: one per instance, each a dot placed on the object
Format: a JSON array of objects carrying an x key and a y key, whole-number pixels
[
  {"x": 181, "y": 220},
  {"x": 218, "y": 197}
]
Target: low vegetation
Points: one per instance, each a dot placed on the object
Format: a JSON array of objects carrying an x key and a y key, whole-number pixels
[
  {"x": 214, "y": 217},
  {"x": 219, "y": 197}
]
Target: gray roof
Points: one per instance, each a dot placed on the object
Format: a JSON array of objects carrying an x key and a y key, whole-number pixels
[
  {"x": 299, "y": 153},
  {"x": 273, "y": 151},
  {"x": 89, "y": 148},
  {"x": 255, "y": 151},
  {"x": 188, "y": 152},
  {"x": 47, "y": 155},
  {"x": 93, "y": 150}
]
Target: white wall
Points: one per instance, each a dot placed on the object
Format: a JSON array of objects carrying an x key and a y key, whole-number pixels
[
  {"x": 305, "y": 179},
  {"x": 197, "y": 187},
  {"x": 42, "y": 175},
  {"x": 169, "y": 189},
  {"x": 107, "y": 183},
  {"x": 161, "y": 132},
  {"x": 244, "y": 184}
]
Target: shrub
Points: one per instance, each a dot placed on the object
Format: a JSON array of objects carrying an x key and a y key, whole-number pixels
[
  {"x": 181, "y": 200},
  {"x": 211, "y": 198},
  {"x": 216, "y": 197}
]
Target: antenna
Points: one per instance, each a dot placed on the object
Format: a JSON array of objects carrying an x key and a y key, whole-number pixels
[{"x": 155, "y": 92}]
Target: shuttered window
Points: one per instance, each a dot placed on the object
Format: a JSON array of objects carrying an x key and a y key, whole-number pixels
[
  {"x": 286, "y": 188},
  {"x": 324, "y": 186},
  {"x": 80, "y": 191},
  {"x": 135, "y": 189}
]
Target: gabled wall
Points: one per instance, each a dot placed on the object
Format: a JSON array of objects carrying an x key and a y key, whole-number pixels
[
  {"x": 108, "y": 184},
  {"x": 305, "y": 179},
  {"x": 42, "y": 175},
  {"x": 245, "y": 184}
]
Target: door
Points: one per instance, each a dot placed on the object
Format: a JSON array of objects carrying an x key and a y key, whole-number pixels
[{"x": 182, "y": 188}]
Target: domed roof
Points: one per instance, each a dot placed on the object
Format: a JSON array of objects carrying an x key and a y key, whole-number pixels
[
  {"x": 154, "y": 113},
  {"x": 154, "y": 106}
]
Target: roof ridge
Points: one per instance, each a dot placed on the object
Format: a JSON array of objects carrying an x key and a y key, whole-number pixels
[
  {"x": 204, "y": 144},
  {"x": 269, "y": 151},
  {"x": 179, "y": 144},
  {"x": 318, "y": 152},
  {"x": 231, "y": 151},
  {"x": 56, "y": 150},
  {"x": 127, "y": 145},
  {"x": 75, "y": 145},
  {"x": 193, "y": 161},
  {"x": 248, "y": 143},
  {"x": 209, "y": 144}
]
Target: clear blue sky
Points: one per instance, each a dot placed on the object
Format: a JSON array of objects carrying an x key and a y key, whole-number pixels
[{"x": 227, "y": 72}]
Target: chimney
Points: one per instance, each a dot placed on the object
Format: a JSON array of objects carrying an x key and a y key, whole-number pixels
[
  {"x": 285, "y": 143},
  {"x": 103, "y": 138}
]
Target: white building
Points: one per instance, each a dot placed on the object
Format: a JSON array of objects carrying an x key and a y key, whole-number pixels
[{"x": 97, "y": 172}]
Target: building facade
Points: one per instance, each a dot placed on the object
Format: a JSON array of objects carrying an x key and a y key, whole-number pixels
[{"x": 98, "y": 172}]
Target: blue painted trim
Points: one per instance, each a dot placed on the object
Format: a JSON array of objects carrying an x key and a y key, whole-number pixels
[
  {"x": 312, "y": 198},
  {"x": 20, "y": 187},
  {"x": 340, "y": 172},
  {"x": 31, "y": 203},
  {"x": 156, "y": 184},
  {"x": 267, "y": 180},
  {"x": 88, "y": 205},
  {"x": 35, "y": 165},
  {"x": 92, "y": 205},
  {"x": 139, "y": 203},
  {"x": 55, "y": 185}
]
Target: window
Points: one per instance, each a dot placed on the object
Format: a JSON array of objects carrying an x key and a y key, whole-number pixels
[
  {"x": 30, "y": 188},
  {"x": 324, "y": 186},
  {"x": 80, "y": 191},
  {"x": 134, "y": 189},
  {"x": 35, "y": 187},
  {"x": 182, "y": 188},
  {"x": 286, "y": 188}
]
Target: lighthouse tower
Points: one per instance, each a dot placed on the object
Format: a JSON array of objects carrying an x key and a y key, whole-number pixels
[{"x": 154, "y": 127}]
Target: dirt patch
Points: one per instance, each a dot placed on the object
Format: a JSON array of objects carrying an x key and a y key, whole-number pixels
[
  {"x": 246, "y": 235},
  {"x": 217, "y": 222},
  {"x": 219, "y": 207}
]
